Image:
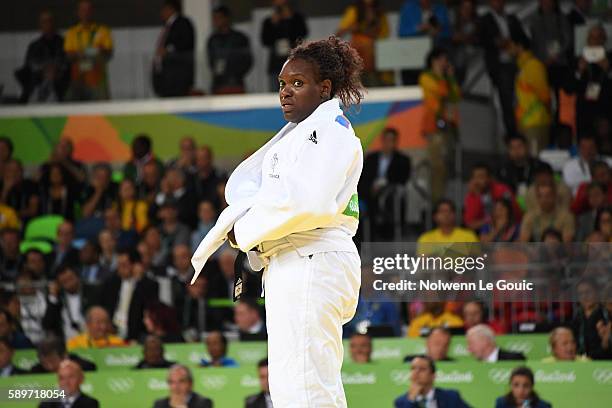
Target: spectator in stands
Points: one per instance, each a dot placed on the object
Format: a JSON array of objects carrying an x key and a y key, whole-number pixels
[
  {"x": 89, "y": 47},
  {"x": 98, "y": 332},
  {"x": 361, "y": 348},
  {"x": 563, "y": 346},
  {"x": 173, "y": 63},
  {"x": 160, "y": 253},
  {"x": 64, "y": 252},
  {"x": 216, "y": 345},
  {"x": 590, "y": 318},
  {"x": 225, "y": 286},
  {"x": 153, "y": 354},
  {"x": 384, "y": 172},
  {"x": 481, "y": 345},
  {"x": 160, "y": 320},
  {"x": 263, "y": 399},
  {"x": 176, "y": 192},
  {"x": 195, "y": 315},
  {"x": 9, "y": 217},
  {"x": 112, "y": 223},
  {"x": 58, "y": 197},
  {"x": 594, "y": 85},
  {"x": 34, "y": 261},
  {"x": 108, "y": 250},
  {"x": 380, "y": 314},
  {"x": 102, "y": 192},
  {"x": 125, "y": 294},
  {"x": 445, "y": 218},
  {"x": 518, "y": 169},
  {"x": 10, "y": 257},
  {"x": 44, "y": 76},
  {"x": 19, "y": 193},
  {"x": 186, "y": 160},
  {"x": 475, "y": 313},
  {"x": 280, "y": 33},
  {"x": 578, "y": 169},
  {"x": 142, "y": 154},
  {"x": 207, "y": 215},
  {"x": 70, "y": 378},
  {"x": 33, "y": 305},
  {"x": 366, "y": 22},
  {"x": 7, "y": 368},
  {"x": 547, "y": 214},
  {"x": 496, "y": 28},
  {"x": 521, "y": 392},
  {"x": 436, "y": 346},
  {"x": 180, "y": 271},
  {"x": 483, "y": 191},
  {"x": 180, "y": 384},
  {"x": 604, "y": 329},
  {"x": 532, "y": 92},
  {"x": 544, "y": 175},
  {"x": 603, "y": 223},
  {"x": 90, "y": 269},
  {"x": 585, "y": 224},
  {"x": 173, "y": 232},
  {"x": 579, "y": 13},
  {"x": 134, "y": 212},
  {"x": 602, "y": 175},
  {"x": 464, "y": 37},
  {"x": 74, "y": 172},
  {"x": 51, "y": 351},
  {"x": 67, "y": 301},
  {"x": 502, "y": 227},
  {"x": 247, "y": 316},
  {"x": 207, "y": 176},
  {"x": 229, "y": 54},
  {"x": 433, "y": 316},
  {"x": 440, "y": 119},
  {"x": 148, "y": 187},
  {"x": 11, "y": 329},
  {"x": 422, "y": 392}
]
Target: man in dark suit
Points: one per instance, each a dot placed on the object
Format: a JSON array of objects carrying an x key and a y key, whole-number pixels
[
  {"x": 125, "y": 294},
  {"x": 422, "y": 392},
  {"x": 70, "y": 377},
  {"x": 263, "y": 399},
  {"x": 51, "y": 352},
  {"x": 481, "y": 344},
  {"x": 436, "y": 346},
  {"x": 383, "y": 171},
  {"x": 153, "y": 354},
  {"x": 180, "y": 383},
  {"x": 173, "y": 64},
  {"x": 247, "y": 316},
  {"x": 7, "y": 368},
  {"x": 495, "y": 29}
]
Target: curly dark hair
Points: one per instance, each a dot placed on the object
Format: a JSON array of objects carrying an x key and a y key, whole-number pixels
[{"x": 337, "y": 61}]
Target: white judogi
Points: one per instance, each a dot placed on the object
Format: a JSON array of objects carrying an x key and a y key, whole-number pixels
[{"x": 295, "y": 200}]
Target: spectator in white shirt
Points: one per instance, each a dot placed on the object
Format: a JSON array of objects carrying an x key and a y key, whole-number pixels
[
  {"x": 481, "y": 344},
  {"x": 578, "y": 169}
]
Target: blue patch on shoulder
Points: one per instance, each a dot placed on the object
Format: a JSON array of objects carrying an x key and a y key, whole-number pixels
[{"x": 343, "y": 121}]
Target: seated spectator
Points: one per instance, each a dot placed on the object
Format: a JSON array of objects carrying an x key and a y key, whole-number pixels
[
  {"x": 51, "y": 351},
  {"x": 518, "y": 168},
  {"x": 474, "y": 313},
  {"x": 44, "y": 75},
  {"x": 383, "y": 172},
  {"x": 33, "y": 305},
  {"x": 7, "y": 368},
  {"x": 521, "y": 392},
  {"x": 503, "y": 227},
  {"x": 173, "y": 64},
  {"x": 447, "y": 231},
  {"x": 22, "y": 195},
  {"x": 544, "y": 174},
  {"x": 64, "y": 252},
  {"x": 263, "y": 399},
  {"x": 436, "y": 346},
  {"x": 483, "y": 190},
  {"x": 602, "y": 174},
  {"x": 229, "y": 54},
  {"x": 173, "y": 231},
  {"x": 112, "y": 223},
  {"x": 194, "y": 313},
  {"x": 361, "y": 348},
  {"x": 134, "y": 213},
  {"x": 70, "y": 378},
  {"x": 180, "y": 385},
  {"x": 563, "y": 346},
  {"x": 481, "y": 345},
  {"x": 101, "y": 193},
  {"x": 98, "y": 332},
  {"x": 160, "y": 253},
  {"x": 57, "y": 196},
  {"x": 423, "y": 393},
  {"x": 10, "y": 256},
  {"x": 160, "y": 320},
  {"x": 74, "y": 171},
  {"x": 216, "y": 345},
  {"x": 186, "y": 160},
  {"x": 433, "y": 316},
  {"x": 148, "y": 187},
  {"x": 11, "y": 330},
  {"x": 603, "y": 223},
  {"x": 35, "y": 262},
  {"x": 89, "y": 58},
  {"x": 91, "y": 271},
  {"x": 108, "y": 250},
  {"x": 548, "y": 214},
  {"x": 247, "y": 316},
  {"x": 125, "y": 294},
  {"x": 180, "y": 271},
  {"x": 142, "y": 154},
  {"x": 589, "y": 320},
  {"x": 377, "y": 314},
  {"x": 207, "y": 177},
  {"x": 153, "y": 354},
  {"x": 578, "y": 170},
  {"x": 207, "y": 216},
  {"x": 281, "y": 32},
  {"x": 604, "y": 329},
  {"x": 67, "y": 300},
  {"x": 533, "y": 115},
  {"x": 596, "y": 200},
  {"x": 175, "y": 191}
]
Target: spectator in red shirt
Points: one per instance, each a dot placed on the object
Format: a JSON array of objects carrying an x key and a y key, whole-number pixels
[
  {"x": 602, "y": 175},
  {"x": 483, "y": 191}
]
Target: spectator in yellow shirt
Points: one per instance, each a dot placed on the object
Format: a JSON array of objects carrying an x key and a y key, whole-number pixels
[
  {"x": 89, "y": 47},
  {"x": 98, "y": 332},
  {"x": 433, "y": 316},
  {"x": 134, "y": 213},
  {"x": 563, "y": 346},
  {"x": 8, "y": 218}
]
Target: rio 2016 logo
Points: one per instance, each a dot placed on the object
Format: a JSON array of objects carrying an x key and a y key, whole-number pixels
[
  {"x": 603, "y": 375},
  {"x": 499, "y": 375},
  {"x": 120, "y": 385}
]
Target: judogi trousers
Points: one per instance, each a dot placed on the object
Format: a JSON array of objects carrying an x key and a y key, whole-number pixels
[{"x": 308, "y": 299}]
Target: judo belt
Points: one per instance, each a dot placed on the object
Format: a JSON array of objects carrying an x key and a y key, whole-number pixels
[{"x": 238, "y": 275}]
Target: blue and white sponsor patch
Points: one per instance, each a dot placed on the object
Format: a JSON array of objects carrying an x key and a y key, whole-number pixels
[{"x": 343, "y": 121}]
